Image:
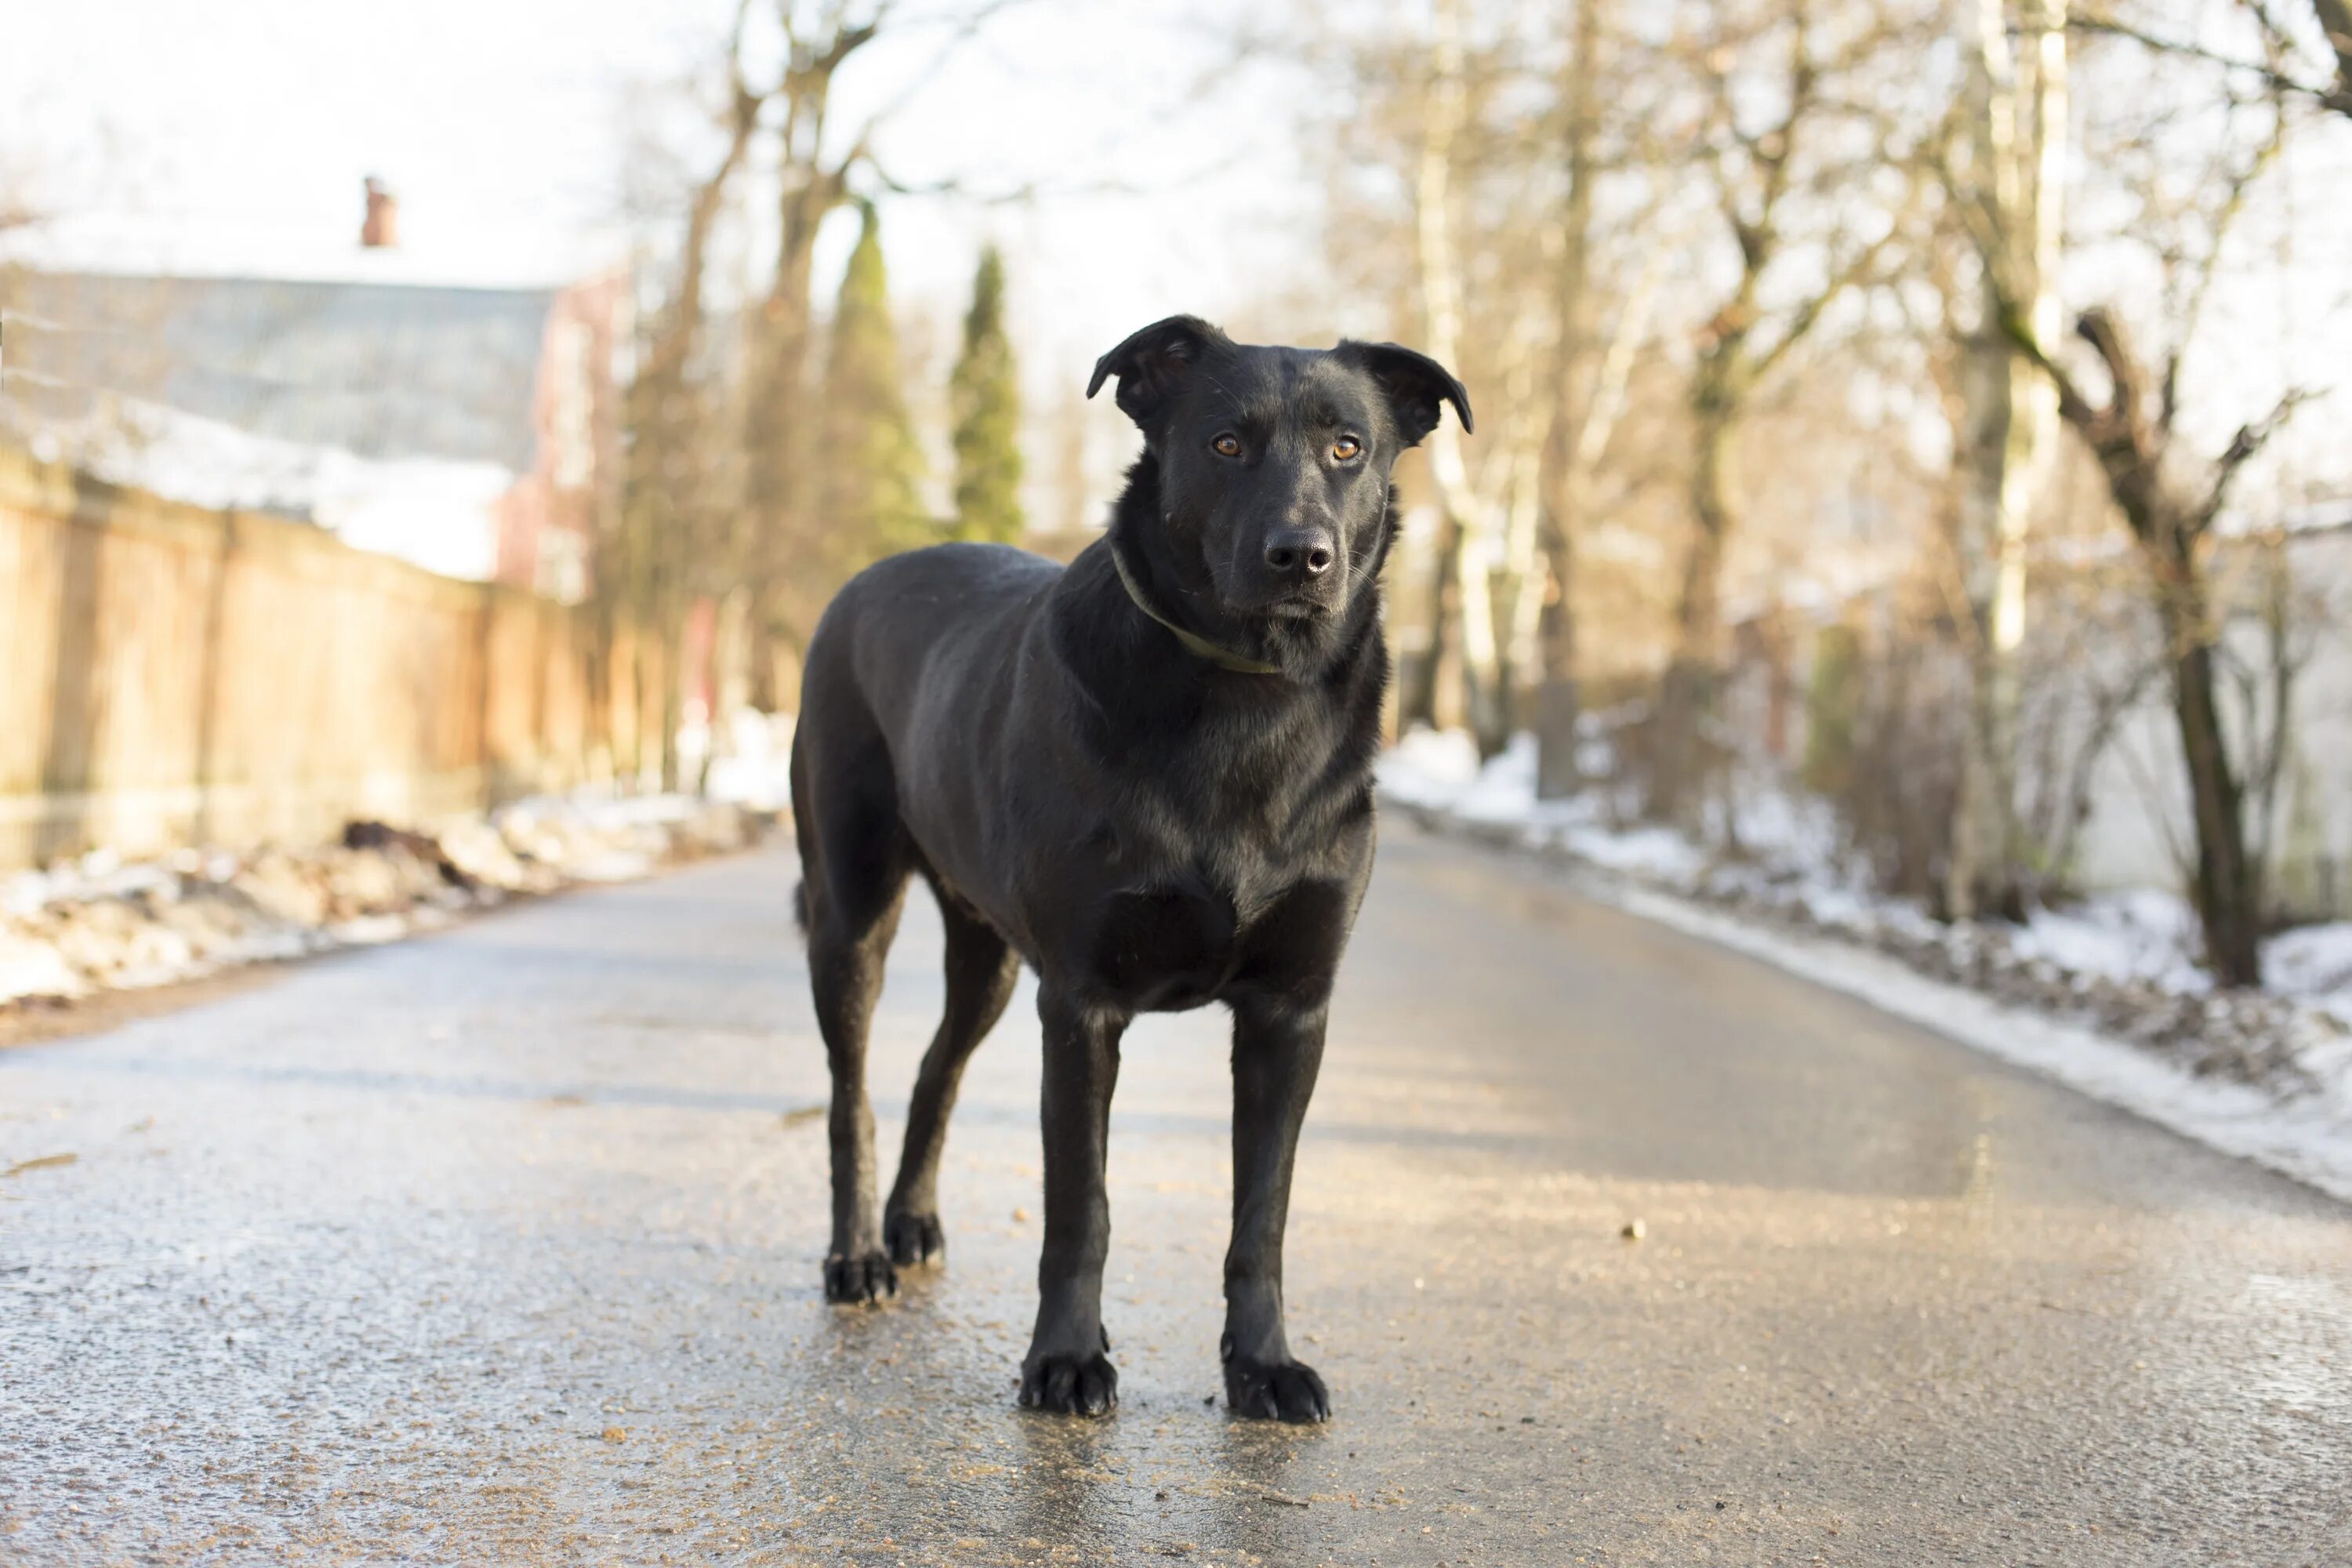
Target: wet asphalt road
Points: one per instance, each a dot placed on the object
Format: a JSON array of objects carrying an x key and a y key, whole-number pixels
[{"x": 503, "y": 1247}]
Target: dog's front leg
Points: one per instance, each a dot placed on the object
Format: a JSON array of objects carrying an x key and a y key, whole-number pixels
[
  {"x": 1066, "y": 1369},
  {"x": 1277, "y": 1048}
]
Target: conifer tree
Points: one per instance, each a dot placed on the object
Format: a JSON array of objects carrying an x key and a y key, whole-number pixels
[
  {"x": 872, "y": 466},
  {"x": 986, "y": 398}
]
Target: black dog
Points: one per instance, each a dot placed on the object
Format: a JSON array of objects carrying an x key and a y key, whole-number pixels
[{"x": 1150, "y": 775}]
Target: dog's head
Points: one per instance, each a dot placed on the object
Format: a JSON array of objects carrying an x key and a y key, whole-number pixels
[{"x": 1273, "y": 470}]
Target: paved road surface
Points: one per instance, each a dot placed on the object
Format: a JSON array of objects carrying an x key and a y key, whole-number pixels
[{"x": 504, "y": 1246}]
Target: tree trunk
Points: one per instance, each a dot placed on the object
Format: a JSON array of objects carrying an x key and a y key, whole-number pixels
[
  {"x": 1532, "y": 398},
  {"x": 1678, "y": 761},
  {"x": 1463, "y": 549},
  {"x": 785, "y": 541},
  {"x": 1486, "y": 703},
  {"x": 1417, "y": 697},
  {"x": 2012, "y": 428},
  {"x": 1558, "y": 773},
  {"x": 2226, "y": 885},
  {"x": 2227, "y": 892}
]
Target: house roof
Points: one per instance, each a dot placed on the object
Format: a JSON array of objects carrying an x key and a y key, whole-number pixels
[
  {"x": 381, "y": 370},
  {"x": 430, "y": 350}
]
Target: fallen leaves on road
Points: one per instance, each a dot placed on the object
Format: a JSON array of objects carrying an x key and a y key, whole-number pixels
[{"x": 46, "y": 1163}]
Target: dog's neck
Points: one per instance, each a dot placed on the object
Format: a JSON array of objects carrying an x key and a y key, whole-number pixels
[
  {"x": 1223, "y": 658},
  {"x": 1160, "y": 590}
]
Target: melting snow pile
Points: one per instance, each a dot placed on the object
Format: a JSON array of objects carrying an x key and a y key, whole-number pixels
[
  {"x": 100, "y": 923},
  {"x": 2105, "y": 995}
]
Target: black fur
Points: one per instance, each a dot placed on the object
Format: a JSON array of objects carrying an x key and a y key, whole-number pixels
[{"x": 1149, "y": 828}]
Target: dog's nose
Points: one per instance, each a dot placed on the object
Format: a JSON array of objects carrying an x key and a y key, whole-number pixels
[{"x": 1299, "y": 552}]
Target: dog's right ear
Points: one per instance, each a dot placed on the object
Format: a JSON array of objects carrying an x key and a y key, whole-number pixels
[{"x": 1150, "y": 365}]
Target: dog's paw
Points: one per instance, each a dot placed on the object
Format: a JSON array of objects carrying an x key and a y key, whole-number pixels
[
  {"x": 1070, "y": 1384},
  {"x": 867, "y": 1276},
  {"x": 1283, "y": 1391},
  {"x": 914, "y": 1238}
]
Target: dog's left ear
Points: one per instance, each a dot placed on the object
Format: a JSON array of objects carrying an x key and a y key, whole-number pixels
[
  {"x": 1150, "y": 363},
  {"x": 1418, "y": 387}
]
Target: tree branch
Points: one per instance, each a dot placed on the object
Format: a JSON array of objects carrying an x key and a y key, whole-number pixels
[
  {"x": 2233, "y": 203},
  {"x": 861, "y": 148},
  {"x": 2335, "y": 28},
  {"x": 2111, "y": 340},
  {"x": 2336, "y": 21},
  {"x": 2250, "y": 440},
  {"x": 1856, "y": 271},
  {"x": 2271, "y": 75},
  {"x": 2072, "y": 406}
]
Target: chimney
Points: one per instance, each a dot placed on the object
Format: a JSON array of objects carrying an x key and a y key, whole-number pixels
[{"x": 382, "y": 229}]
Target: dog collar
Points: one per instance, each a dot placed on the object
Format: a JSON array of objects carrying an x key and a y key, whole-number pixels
[{"x": 1223, "y": 657}]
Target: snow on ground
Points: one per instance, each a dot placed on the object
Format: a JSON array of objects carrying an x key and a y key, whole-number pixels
[
  {"x": 2105, "y": 995},
  {"x": 753, "y": 768},
  {"x": 99, "y": 923}
]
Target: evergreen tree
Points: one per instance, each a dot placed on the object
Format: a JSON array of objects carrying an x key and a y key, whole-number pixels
[
  {"x": 986, "y": 396},
  {"x": 872, "y": 466}
]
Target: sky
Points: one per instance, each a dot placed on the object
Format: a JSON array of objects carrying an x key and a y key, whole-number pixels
[{"x": 1169, "y": 179}]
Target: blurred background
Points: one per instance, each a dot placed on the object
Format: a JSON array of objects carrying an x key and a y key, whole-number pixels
[{"x": 1913, "y": 435}]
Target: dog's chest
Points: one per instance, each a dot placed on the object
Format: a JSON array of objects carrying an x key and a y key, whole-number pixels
[{"x": 1167, "y": 948}]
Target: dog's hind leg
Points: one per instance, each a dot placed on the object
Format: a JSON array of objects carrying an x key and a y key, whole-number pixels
[
  {"x": 982, "y": 970},
  {"x": 856, "y": 861}
]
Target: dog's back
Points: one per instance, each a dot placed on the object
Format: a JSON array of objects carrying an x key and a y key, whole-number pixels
[
  {"x": 907, "y": 656},
  {"x": 908, "y": 618}
]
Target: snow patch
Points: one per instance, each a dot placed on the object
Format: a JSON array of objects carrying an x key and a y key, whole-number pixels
[{"x": 100, "y": 923}]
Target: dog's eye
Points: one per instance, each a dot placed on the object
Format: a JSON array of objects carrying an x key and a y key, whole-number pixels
[
  {"x": 1227, "y": 445},
  {"x": 1347, "y": 449}
]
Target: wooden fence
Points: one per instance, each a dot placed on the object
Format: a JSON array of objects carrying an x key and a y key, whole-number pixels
[{"x": 173, "y": 676}]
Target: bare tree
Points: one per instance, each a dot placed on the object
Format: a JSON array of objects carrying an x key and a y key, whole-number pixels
[
  {"x": 815, "y": 170},
  {"x": 2170, "y": 504},
  {"x": 1498, "y": 151},
  {"x": 1461, "y": 583},
  {"x": 2011, "y": 192},
  {"x": 1570, "y": 444},
  {"x": 1765, "y": 176},
  {"x": 671, "y": 520},
  {"x": 2264, "y": 680},
  {"x": 2170, "y": 498},
  {"x": 812, "y": 182}
]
